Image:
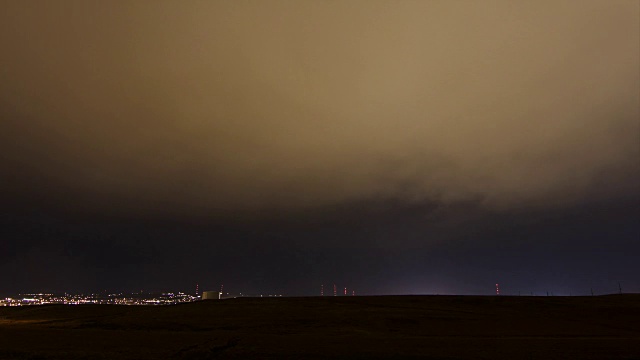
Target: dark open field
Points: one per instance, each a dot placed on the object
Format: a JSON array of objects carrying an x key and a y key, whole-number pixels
[{"x": 433, "y": 327}]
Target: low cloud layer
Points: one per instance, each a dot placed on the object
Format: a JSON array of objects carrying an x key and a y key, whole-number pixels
[{"x": 254, "y": 105}]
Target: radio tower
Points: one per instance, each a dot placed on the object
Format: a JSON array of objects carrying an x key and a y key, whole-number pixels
[
  {"x": 497, "y": 289},
  {"x": 335, "y": 291},
  {"x": 321, "y": 290},
  {"x": 197, "y": 290},
  {"x": 345, "y": 291},
  {"x": 353, "y": 293}
]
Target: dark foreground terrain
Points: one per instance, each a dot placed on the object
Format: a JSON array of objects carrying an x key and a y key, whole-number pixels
[{"x": 432, "y": 327}]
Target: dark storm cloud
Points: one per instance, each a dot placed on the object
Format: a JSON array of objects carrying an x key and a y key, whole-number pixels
[{"x": 203, "y": 107}]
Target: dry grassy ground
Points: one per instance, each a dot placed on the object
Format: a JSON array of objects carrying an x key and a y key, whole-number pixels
[{"x": 432, "y": 327}]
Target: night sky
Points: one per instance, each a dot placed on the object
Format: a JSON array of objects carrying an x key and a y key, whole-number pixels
[{"x": 392, "y": 147}]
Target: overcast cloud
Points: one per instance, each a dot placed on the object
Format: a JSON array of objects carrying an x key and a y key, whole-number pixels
[{"x": 203, "y": 107}]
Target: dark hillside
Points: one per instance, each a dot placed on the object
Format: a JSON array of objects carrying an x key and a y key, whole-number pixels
[{"x": 439, "y": 327}]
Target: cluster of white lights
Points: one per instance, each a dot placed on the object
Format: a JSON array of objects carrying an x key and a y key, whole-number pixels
[{"x": 114, "y": 299}]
